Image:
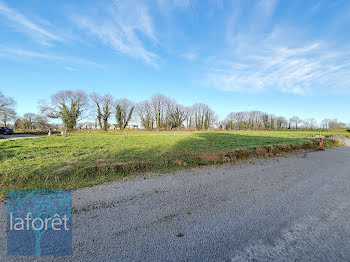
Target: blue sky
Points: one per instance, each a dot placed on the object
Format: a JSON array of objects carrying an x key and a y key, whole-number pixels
[{"x": 283, "y": 57}]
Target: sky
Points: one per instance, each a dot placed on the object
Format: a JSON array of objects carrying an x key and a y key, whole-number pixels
[{"x": 282, "y": 57}]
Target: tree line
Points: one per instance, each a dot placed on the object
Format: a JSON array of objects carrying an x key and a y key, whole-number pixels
[
  {"x": 257, "y": 120},
  {"x": 158, "y": 112}
]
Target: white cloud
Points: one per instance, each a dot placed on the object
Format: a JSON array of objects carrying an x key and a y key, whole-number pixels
[
  {"x": 266, "y": 8},
  {"x": 25, "y": 25},
  {"x": 287, "y": 66},
  {"x": 28, "y": 54},
  {"x": 262, "y": 54},
  {"x": 169, "y": 5},
  {"x": 316, "y": 7},
  {"x": 68, "y": 68},
  {"x": 218, "y": 3},
  {"x": 191, "y": 56},
  {"x": 182, "y": 3},
  {"x": 125, "y": 26}
]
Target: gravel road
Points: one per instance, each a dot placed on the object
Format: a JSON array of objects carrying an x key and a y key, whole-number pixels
[
  {"x": 283, "y": 209},
  {"x": 19, "y": 136}
]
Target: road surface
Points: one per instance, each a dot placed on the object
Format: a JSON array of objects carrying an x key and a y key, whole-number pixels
[
  {"x": 19, "y": 136},
  {"x": 283, "y": 209}
]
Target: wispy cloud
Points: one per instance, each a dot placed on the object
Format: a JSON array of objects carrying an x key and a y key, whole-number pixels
[
  {"x": 191, "y": 56},
  {"x": 292, "y": 68},
  {"x": 218, "y": 3},
  {"x": 68, "y": 68},
  {"x": 125, "y": 26},
  {"x": 269, "y": 53},
  {"x": 315, "y": 7},
  {"x": 182, "y": 3},
  {"x": 20, "y": 54},
  {"x": 23, "y": 24},
  {"x": 169, "y": 5},
  {"x": 266, "y": 8}
]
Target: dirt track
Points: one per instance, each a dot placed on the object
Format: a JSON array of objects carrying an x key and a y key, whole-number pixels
[{"x": 18, "y": 136}]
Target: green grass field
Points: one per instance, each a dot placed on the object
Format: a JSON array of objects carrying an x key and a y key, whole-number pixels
[{"x": 84, "y": 159}]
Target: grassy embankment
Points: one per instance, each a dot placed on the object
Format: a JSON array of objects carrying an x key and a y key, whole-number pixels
[{"x": 84, "y": 159}]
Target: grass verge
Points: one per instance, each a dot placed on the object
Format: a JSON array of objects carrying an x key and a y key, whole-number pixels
[{"x": 85, "y": 159}]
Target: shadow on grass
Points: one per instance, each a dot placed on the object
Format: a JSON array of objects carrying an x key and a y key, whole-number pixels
[
  {"x": 217, "y": 148},
  {"x": 209, "y": 141},
  {"x": 201, "y": 148}
]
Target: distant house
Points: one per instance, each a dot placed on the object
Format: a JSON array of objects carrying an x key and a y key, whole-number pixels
[
  {"x": 115, "y": 126},
  {"x": 132, "y": 127}
]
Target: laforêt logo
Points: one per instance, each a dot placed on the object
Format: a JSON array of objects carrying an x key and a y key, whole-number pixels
[{"x": 39, "y": 222}]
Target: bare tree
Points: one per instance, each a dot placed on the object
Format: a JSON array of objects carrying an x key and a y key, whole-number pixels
[
  {"x": 204, "y": 116},
  {"x": 266, "y": 121},
  {"x": 230, "y": 121},
  {"x": 241, "y": 120},
  {"x": 160, "y": 104},
  {"x": 107, "y": 101},
  {"x": 177, "y": 115},
  {"x": 30, "y": 119},
  {"x": 67, "y": 105},
  {"x": 189, "y": 116},
  {"x": 96, "y": 104},
  {"x": 145, "y": 114},
  {"x": 253, "y": 120},
  {"x": 18, "y": 123},
  {"x": 7, "y": 115},
  {"x": 7, "y": 111},
  {"x": 325, "y": 122},
  {"x": 281, "y": 123},
  {"x": 170, "y": 110},
  {"x": 335, "y": 124},
  {"x": 6, "y": 102},
  {"x": 103, "y": 107},
  {"x": 309, "y": 123},
  {"x": 124, "y": 111},
  {"x": 41, "y": 122},
  {"x": 296, "y": 120}
]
